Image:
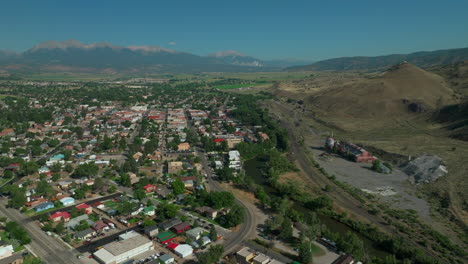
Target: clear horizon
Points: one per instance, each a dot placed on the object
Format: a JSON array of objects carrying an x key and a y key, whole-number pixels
[{"x": 268, "y": 30}]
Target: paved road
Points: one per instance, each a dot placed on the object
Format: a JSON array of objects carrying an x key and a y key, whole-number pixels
[
  {"x": 48, "y": 248},
  {"x": 247, "y": 229}
]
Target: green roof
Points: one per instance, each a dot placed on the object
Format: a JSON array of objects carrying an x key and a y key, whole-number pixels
[{"x": 165, "y": 235}]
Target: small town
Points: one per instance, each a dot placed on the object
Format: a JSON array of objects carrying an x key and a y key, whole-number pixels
[
  {"x": 137, "y": 177},
  {"x": 236, "y": 132}
]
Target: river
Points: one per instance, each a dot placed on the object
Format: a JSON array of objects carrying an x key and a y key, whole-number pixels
[{"x": 252, "y": 170}]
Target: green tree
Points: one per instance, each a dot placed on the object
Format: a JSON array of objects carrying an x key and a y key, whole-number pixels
[
  {"x": 305, "y": 252},
  {"x": 212, "y": 255},
  {"x": 286, "y": 229},
  {"x": 149, "y": 222},
  {"x": 15, "y": 231},
  {"x": 56, "y": 167},
  {"x": 139, "y": 194},
  {"x": 125, "y": 180},
  {"x": 17, "y": 196},
  {"x": 56, "y": 177},
  {"x": 178, "y": 186},
  {"x": 68, "y": 168},
  {"x": 44, "y": 188},
  {"x": 59, "y": 228},
  {"x": 233, "y": 218},
  {"x": 213, "y": 235}
]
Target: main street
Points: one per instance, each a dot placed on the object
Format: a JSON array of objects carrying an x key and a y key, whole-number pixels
[{"x": 48, "y": 248}]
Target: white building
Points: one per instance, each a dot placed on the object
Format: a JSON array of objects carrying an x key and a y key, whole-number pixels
[
  {"x": 6, "y": 250},
  {"x": 122, "y": 250},
  {"x": 183, "y": 250},
  {"x": 195, "y": 233}
]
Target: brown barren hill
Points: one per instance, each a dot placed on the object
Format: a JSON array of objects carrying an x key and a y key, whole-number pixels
[{"x": 402, "y": 89}]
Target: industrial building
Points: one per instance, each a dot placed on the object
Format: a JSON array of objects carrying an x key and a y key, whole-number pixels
[{"x": 120, "y": 251}]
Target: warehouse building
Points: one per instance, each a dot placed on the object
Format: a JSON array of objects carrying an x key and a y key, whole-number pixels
[{"x": 120, "y": 251}]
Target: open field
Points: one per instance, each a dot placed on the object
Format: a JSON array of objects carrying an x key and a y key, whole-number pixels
[{"x": 235, "y": 86}]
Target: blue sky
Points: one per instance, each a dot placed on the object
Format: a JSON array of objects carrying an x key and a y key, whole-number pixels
[{"x": 270, "y": 29}]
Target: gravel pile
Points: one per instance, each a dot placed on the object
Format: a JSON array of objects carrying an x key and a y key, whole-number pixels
[{"x": 425, "y": 169}]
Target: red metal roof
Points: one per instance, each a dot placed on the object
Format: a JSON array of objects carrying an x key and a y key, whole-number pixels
[
  {"x": 82, "y": 206},
  {"x": 172, "y": 245},
  {"x": 60, "y": 214}
]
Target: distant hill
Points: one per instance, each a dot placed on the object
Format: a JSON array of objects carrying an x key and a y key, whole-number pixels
[
  {"x": 456, "y": 74},
  {"x": 104, "y": 57},
  {"x": 402, "y": 89},
  {"x": 422, "y": 59}
]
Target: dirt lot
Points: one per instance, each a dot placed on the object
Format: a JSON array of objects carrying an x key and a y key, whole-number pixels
[{"x": 393, "y": 188}]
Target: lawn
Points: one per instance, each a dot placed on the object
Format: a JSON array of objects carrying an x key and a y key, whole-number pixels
[{"x": 111, "y": 204}]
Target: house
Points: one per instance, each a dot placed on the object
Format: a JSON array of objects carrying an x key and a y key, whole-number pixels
[
  {"x": 166, "y": 225},
  {"x": 6, "y": 250},
  {"x": 207, "y": 211},
  {"x": 44, "y": 169},
  {"x": 166, "y": 259},
  {"x": 65, "y": 184},
  {"x": 183, "y": 250},
  {"x": 35, "y": 200},
  {"x": 218, "y": 164},
  {"x": 13, "y": 259},
  {"x": 133, "y": 178},
  {"x": 99, "y": 205},
  {"x": 195, "y": 233},
  {"x": 172, "y": 246},
  {"x": 174, "y": 167},
  {"x": 218, "y": 141},
  {"x": 151, "y": 231},
  {"x": 263, "y": 136},
  {"x": 7, "y": 132},
  {"x": 76, "y": 221},
  {"x": 57, "y": 216},
  {"x": 100, "y": 225},
  {"x": 137, "y": 156},
  {"x": 261, "y": 259},
  {"x": 183, "y": 146},
  {"x": 205, "y": 240},
  {"x": 43, "y": 206},
  {"x": 244, "y": 256},
  {"x": 180, "y": 228},
  {"x": 67, "y": 201},
  {"x": 149, "y": 188},
  {"x": 149, "y": 210},
  {"x": 165, "y": 237},
  {"x": 85, "y": 208},
  {"x": 85, "y": 234},
  {"x": 163, "y": 191}
]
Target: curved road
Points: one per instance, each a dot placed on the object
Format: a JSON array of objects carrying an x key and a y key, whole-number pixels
[{"x": 247, "y": 229}]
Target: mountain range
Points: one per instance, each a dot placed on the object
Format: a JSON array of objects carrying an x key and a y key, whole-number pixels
[
  {"x": 73, "y": 55},
  {"x": 423, "y": 59}
]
